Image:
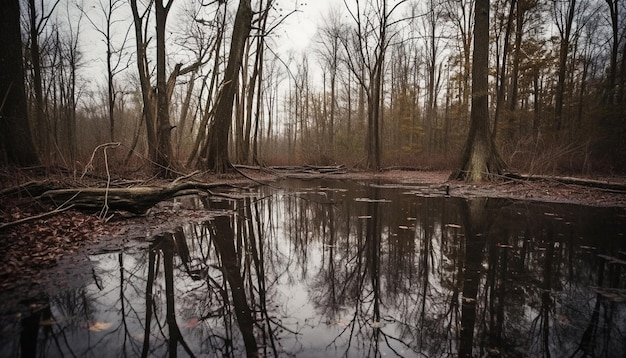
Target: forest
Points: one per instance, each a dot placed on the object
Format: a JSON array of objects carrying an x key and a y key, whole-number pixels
[
  {"x": 167, "y": 87},
  {"x": 131, "y": 131}
]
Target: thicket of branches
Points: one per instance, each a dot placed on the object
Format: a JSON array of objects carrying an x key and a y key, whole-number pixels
[{"x": 382, "y": 83}]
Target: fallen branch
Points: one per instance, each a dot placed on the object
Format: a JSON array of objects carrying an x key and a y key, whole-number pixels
[
  {"x": 309, "y": 171},
  {"x": 31, "y": 188},
  {"x": 104, "y": 147},
  {"x": 590, "y": 183},
  {"x": 35, "y": 217}
]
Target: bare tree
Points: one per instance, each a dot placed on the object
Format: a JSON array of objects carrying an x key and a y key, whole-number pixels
[
  {"x": 330, "y": 51},
  {"x": 38, "y": 18},
  {"x": 522, "y": 8},
  {"x": 610, "y": 92},
  {"x": 16, "y": 142},
  {"x": 164, "y": 159},
  {"x": 210, "y": 84},
  {"x": 480, "y": 159},
  {"x": 564, "y": 23},
  {"x": 215, "y": 151},
  {"x": 369, "y": 42},
  {"x": 140, "y": 20},
  {"x": 114, "y": 52},
  {"x": 461, "y": 14},
  {"x": 249, "y": 88},
  {"x": 155, "y": 110},
  {"x": 199, "y": 36},
  {"x": 433, "y": 70},
  {"x": 502, "y": 76},
  {"x": 63, "y": 77}
]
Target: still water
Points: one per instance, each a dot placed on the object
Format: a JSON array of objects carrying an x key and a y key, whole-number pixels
[{"x": 347, "y": 269}]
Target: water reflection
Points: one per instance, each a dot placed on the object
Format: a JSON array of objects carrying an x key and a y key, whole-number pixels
[{"x": 345, "y": 269}]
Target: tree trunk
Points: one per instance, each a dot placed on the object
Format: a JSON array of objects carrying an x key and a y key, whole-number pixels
[
  {"x": 333, "y": 101},
  {"x": 43, "y": 129},
  {"x": 519, "y": 27},
  {"x": 374, "y": 159},
  {"x": 536, "y": 105},
  {"x": 216, "y": 148},
  {"x": 255, "y": 79},
  {"x": 501, "y": 86},
  {"x": 609, "y": 97},
  {"x": 72, "y": 96},
  {"x": 164, "y": 161},
  {"x": 144, "y": 79},
  {"x": 430, "y": 119},
  {"x": 111, "y": 92},
  {"x": 563, "y": 52},
  {"x": 480, "y": 158},
  {"x": 200, "y": 140},
  {"x": 16, "y": 142},
  {"x": 184, "y": 114},
  {"x": 259, "y": 89}
]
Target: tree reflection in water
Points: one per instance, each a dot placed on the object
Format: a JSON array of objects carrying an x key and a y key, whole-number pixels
[{"x": 340, "y": 269}]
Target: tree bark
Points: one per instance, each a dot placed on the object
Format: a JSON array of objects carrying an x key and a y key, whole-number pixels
[
  {"x": 144, "y": 79},
  {"x": 43, "y": 131},
  {"x": 522, "y": 7},
  {"x": 609, "y": 96},
  {"x": 565, "y": 34},
  {"x": 16, "y": 143},
  {"x": 216, "y": 148},
  {"x": 164, "y": 160},
  {"x": 480, "y": 158},
  {"x": 501, "y": 86},
  {"x": 200, "y": 140}
]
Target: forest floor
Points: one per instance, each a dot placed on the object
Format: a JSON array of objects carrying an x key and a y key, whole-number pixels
[{"x": 46, "y": 254}]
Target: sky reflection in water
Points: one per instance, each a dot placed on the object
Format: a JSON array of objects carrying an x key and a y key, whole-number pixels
[{"x": 333, "y": 268}]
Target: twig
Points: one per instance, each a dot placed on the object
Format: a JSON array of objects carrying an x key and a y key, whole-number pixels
[
  {"x": 181, "y": 178},
  {"x": 105, "y": 146},
  {"x": 35, "y": 217},
  {"x": 105, "y": 208},
  {"x": 250, "y": 178},
  {"x": 93, "y": 154}
]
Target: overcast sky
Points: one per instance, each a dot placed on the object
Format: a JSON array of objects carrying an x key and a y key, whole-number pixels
[
  {"x": 296, "y": 33},
  {"x": 300, "y": 28}
]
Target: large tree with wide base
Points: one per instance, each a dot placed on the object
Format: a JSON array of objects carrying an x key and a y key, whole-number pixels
[
  {"x": 480, "y": 160},
  {"x": 215, "y": 151},
  {"x": 16, "y": 145}
]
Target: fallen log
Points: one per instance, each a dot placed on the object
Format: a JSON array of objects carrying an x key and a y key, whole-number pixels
[
  {"x": 136, "y": 200},
  {"x": 32, "y": 188},
  {"x": 590, "y": 183}
]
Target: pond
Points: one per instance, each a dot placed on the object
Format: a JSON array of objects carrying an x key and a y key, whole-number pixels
[{"x": 348, "y": 269}]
